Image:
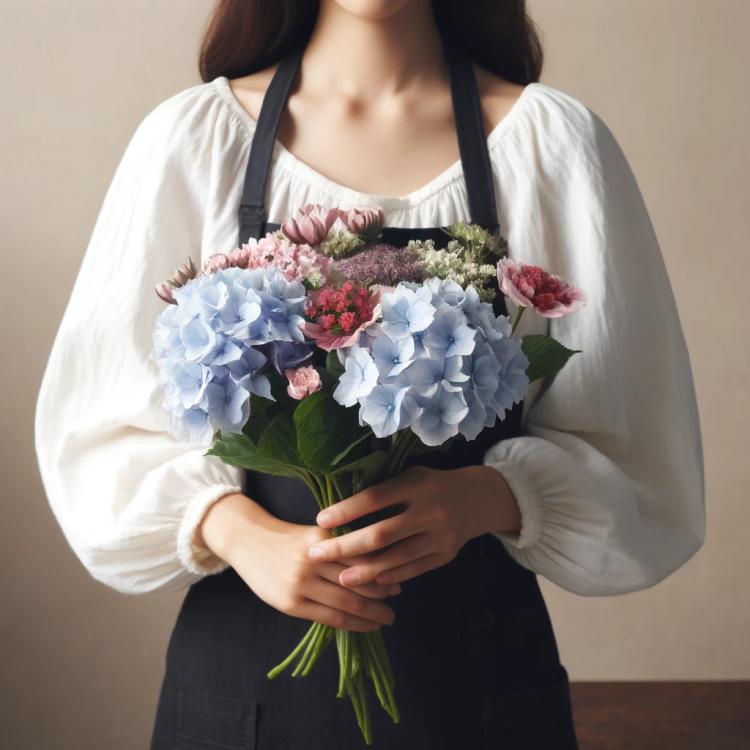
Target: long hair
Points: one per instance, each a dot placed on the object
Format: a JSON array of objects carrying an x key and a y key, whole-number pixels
[{"x": 244, "y": 36}]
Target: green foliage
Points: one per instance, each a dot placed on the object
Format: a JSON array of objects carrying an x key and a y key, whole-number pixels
[
  {"x": 546, "y": 356},
  {"x": 333, "y": 366},
  {"x": 325, "y": 430},
  {"x": 240, "y": 450}
]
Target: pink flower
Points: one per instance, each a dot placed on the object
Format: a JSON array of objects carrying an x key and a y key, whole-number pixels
[
  {"x": 340, "y": 314},
  {"x": 329, "y": 340},
  {"x": 367, "y": 221},
  {"x": 311, "y": 226},
  {"x": 164, "y": 290},
  {"x": 303, "y": 382},
  {"x": 532, "y": 286},
  {"x": 296, "y": 262},
  {"x": 214, "y": 263}
]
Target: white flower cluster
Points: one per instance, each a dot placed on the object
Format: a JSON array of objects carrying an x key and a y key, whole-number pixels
[{"x": 450, "y": 264}]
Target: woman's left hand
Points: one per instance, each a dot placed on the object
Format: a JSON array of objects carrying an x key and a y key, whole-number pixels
[{"x": 442, "y": 511}]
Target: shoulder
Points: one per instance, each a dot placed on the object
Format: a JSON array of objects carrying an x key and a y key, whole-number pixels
[
  {"x": 186, "y": 121},
  {"x": 550, "y": 131},
  {"x": 250, "y": 89},
  {"x": 554, "y": 113},
  {"x": 566, "y": 125}
]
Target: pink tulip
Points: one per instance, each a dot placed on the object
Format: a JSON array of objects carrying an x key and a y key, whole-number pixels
[
  {"x": 310, "y": 226},
  {"x": 366, "y": 221},
  {"x": 303, "y": 382},
  {"x": 532, "y": 286}
]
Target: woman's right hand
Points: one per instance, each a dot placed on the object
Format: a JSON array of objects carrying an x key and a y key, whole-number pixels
[{"x": 270, "y": 555}]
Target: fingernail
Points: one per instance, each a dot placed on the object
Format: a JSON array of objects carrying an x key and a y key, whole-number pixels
[
  {"x": 316, "y": 552},
  {"x": 324, "y": 516},
  {"x": 349, "y": 577}
]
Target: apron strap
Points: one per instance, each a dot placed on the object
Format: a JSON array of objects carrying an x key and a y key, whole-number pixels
[
  {"x": 472, "y": 144},
  {"x": 252, "y": 213},
  {"x": 472, "y": 141}
]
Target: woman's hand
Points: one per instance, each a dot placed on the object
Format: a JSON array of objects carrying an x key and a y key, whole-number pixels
[
  {"x": 442, "y": 511},
  {"x": 271, "y": 557}
]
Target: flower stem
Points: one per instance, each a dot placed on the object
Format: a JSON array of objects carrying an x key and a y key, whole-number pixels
[
  {"x": 382, "y": 663},
  {"x": 278, "y": 669},
  {"x": 324, "y": 634},
  {"x": 340, "y": 492},
  {"x": 308, "y": 650},
  {"x": 517, "y": 318}
]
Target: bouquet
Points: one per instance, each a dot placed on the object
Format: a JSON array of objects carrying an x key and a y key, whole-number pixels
[{"x": 321, "y": 353}]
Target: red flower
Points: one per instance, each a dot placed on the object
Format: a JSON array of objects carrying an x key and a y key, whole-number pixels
[
  {"x": 532, "y": 286},
  {"x": 339, "y": 315}
]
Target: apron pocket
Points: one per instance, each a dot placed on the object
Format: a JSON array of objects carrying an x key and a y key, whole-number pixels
[
  {"x": 188, "y": 719},
  {"x": 530, "y": 718}
]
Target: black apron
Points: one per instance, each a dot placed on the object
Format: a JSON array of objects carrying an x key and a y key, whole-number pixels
[{"x": 475, "y": 658}]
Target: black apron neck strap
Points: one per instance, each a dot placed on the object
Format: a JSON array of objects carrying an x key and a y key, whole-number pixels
[
  {"x": 252, "y": 211},
  {"x": 472, "y": 144}
]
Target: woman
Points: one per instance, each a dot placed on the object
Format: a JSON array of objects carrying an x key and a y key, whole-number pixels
[{"x": 596, "y": 483}]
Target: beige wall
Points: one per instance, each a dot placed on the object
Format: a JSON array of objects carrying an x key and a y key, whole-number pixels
[{"x": 81, "y": 663}]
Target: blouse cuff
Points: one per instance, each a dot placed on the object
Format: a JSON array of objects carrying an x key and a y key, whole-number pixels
[
  {"x": 522, "y": 487},
  {"x": 195, "y": 558}
]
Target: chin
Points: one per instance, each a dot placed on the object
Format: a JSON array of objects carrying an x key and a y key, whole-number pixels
[{"x": 373, "y": 10}]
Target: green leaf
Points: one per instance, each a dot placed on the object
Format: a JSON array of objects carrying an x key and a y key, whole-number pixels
[
  {"x": 370, "y": 463},
  {"x": 341, "y": 456},
  {"x": 546, "y": 356},
  {"x": 325, "y": 430},
  {"x": 239, "y": 450},
  {"x": 279, "y": 441},
  {"x": 262, "y": 411},
  {"x": 333, "y": 366}
]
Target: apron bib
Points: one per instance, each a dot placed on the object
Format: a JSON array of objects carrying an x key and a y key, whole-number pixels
[{"x": 472, "y": 647}]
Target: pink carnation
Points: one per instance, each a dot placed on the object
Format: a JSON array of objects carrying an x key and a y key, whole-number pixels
[
  {"x": 532, "y": 286},
  {"x": 296, "y": 262},
  {"x": 303, "y": 382}
]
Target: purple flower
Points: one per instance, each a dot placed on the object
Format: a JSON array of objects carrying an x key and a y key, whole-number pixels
[{"x": 381, "y": 264}]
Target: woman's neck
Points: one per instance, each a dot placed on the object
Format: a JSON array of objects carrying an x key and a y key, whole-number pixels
[{"x": 358, "y": 58}]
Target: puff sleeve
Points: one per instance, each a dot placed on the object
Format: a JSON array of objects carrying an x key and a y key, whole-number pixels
[
  {"x": 608, "y": 472},
  {"x": 128, "y": 495}
]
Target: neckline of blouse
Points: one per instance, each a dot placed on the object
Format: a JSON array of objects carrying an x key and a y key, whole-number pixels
[{"x": 350, "y": 196}]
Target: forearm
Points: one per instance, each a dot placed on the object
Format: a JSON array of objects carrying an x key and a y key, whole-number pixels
[
  {"x": 493, "y": 507},
  {"x": 231, "y": 518}
]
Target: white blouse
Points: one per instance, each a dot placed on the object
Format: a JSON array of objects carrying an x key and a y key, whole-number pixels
[{"x": 609, "y": 472}]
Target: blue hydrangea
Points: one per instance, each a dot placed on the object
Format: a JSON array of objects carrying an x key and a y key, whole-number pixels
[
  {"x": 359, "y": 378},
  {"x": 213, "y": 346},
  {"x": 387, "y": 409},
  {"x": 440, "y": 362}
]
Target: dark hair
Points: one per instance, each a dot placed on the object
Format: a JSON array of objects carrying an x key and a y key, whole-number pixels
[{"x": 244, "y": 36}]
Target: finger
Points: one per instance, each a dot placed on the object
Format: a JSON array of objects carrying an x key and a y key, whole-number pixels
[
  {"x": 334, "y": 595},
  {"x": 331, "y": 572},
  {"x": 412, "y": 569},
  {"x": 369, "y": 500},
  {"x": 371, "y": 538},
  {"x": 317, "y": 612},
  {"x": 400, "y": 554}
]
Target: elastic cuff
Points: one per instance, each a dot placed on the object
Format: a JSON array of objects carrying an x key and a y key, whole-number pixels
[
  {"x": 521, "y": 485},
  {"x": 200, "y": 560}
]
